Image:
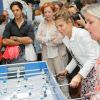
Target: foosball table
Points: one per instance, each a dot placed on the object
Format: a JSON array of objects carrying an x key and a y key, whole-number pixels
[{"x": 28, "y": 81}]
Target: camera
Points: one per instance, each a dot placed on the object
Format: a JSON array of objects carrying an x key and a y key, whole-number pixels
[{"x": 76, "y": 16}]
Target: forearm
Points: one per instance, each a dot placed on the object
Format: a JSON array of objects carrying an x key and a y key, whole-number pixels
[
  {"x": 10, "y": 42},
  {"x": 81, "y": 77},
  {"x": 24, "y": 40}
]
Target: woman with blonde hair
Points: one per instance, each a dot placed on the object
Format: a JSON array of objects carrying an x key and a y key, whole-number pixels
[
  {"x": 84, "y": 50},
  {"x": 53, "y": 49}
]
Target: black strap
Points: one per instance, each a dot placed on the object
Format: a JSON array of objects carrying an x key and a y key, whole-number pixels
[{"x": 73, "y": 56}]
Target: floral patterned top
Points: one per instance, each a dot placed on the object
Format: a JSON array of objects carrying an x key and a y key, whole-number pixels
[{"x": 97, "y": 68}]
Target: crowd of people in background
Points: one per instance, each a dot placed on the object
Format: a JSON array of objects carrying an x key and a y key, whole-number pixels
[{"x": 65, "y": 35}]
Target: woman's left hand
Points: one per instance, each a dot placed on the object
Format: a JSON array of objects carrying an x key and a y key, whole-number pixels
[{"x": 75, "y": 82}]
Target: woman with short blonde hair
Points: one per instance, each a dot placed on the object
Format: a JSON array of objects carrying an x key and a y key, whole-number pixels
[
  {"x": 84, "y": 50},
  {"x": 53, "y": 49}
]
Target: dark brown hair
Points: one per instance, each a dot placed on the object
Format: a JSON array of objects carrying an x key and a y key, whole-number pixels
[{"x": 16, "y": 3}]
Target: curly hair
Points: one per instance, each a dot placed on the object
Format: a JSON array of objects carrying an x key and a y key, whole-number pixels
[{"x": 48, "y": 4}]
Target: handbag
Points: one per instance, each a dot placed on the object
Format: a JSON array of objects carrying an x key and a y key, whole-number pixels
[
  {"x": 11, "y": 52},
  {"x": 30, "y": 54}
]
